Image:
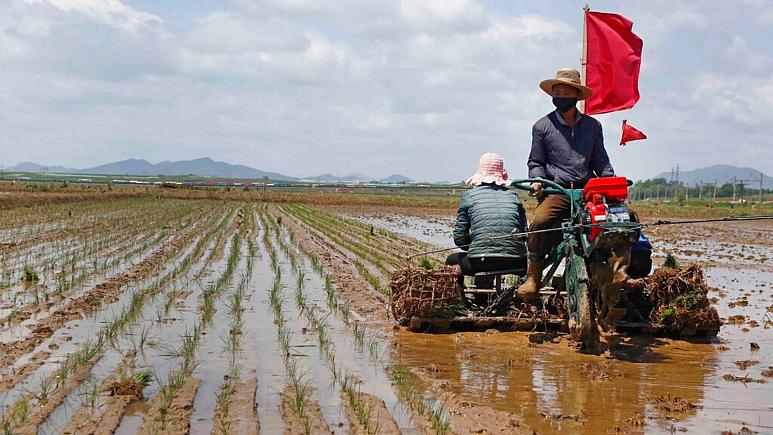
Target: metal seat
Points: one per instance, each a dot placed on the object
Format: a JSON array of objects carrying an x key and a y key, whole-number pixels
[{"x": 497, "y": 284}]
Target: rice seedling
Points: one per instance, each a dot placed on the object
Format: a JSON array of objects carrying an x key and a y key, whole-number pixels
[
  {"x": 143, "y": 378},
  {"x": 44, "y": 391},
  {"x": 90, "y": 395},
  {"x": 430, "y": 407},
  {"x": 29, "y": 274}
]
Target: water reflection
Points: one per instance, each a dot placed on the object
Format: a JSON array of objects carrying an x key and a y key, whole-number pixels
[{"x": 553, "y": 387}]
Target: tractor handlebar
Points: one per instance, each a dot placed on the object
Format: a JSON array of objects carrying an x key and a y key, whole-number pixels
[{"x": 551, "y": 186}]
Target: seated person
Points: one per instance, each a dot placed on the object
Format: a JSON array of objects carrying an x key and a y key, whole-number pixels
[{"x": 489, "y": 210}]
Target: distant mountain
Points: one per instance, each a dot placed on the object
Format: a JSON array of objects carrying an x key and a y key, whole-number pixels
[
  {"x": 330, "y": 177},
  {"x": 722, "y": 174},
  {"x": 34, "y": 167},
  {"x": 396, "y": 179},
  {"x": 204, "y": 167},
  {"x": 124, "y": 167}
]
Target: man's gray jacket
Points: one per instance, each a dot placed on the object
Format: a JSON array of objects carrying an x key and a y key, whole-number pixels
[
  {"x": 490, "y": 211},
  {"x": 568, "y": 155}
]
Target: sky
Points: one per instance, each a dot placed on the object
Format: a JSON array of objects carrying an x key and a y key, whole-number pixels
[{"x": 421, "y": 88}]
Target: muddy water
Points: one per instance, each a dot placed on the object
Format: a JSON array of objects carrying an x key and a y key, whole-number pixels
[
  {"x": 435, "y": 229},
  {"x": 551, "y": 388},
  {"x": 549, "y": 385}
]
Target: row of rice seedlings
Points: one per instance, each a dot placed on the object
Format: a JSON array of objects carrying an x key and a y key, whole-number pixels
[
  {"x": 392, "y": 248},
  {"x": 367, "y": 231},
  {"x": 190, "y": 339},
  {"x": 233, "y": 340},
  {"x": 172, "y": 296},
  {"x": 89, "y": 243},
  {"x": 430, "y": 407},
  {"x": 300, "y": 388},
  {"x": 373, "y": 280},
  {"x": 335, "y": 234},
  {"x": 66, "y": 233},
  {"x": 43, "y": 219},
  {"x": 267, "y": 241},
  {"x": 345, "y": 380},
  {"x": 87, "y": 354},
  {"x": 121, "y": 251},
  {"x": 66, "y": 281},
  {"x": 398, "y": 246},
  {"x": 333, "y": 303}
]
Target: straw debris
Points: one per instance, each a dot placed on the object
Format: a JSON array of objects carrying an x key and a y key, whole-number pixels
[
  {"x": 680, "y": 302},
  {"x": 421, "y": 292}
]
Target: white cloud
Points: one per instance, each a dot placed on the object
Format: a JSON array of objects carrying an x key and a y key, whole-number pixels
[
  {"x": 110, "y": 12},
  {"x": 744, "y": 58},
  {"x": 743, "y": 98},
  {"x": 305, "y": 87}
]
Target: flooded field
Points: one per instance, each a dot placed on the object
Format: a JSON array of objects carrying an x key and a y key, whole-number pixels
[{"x": 149, "y": 315}]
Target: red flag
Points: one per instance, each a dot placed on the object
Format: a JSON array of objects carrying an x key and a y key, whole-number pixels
[
  {"x": 612, "y": 59},
  {"x": 630, "y": 133}
]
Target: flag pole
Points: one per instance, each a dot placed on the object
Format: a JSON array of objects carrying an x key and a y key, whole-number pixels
[{"x": 584, "y": 59}]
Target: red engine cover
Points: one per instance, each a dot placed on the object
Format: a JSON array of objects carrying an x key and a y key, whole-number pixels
[
  {"x": 597, "y": 212},
  {"x": 613, "y": 189}
]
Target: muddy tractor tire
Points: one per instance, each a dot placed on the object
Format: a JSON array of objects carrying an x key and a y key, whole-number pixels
[{"x": 582, "y": 313}]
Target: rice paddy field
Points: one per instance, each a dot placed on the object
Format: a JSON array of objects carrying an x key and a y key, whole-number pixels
[{"x": 126, "y": 312}]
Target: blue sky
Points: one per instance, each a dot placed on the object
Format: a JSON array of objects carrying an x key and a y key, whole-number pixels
[{"x": 420, "y": 88}]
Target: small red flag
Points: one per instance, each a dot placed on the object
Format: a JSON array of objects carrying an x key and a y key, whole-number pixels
[
  {"x": 613, "y": 59},
  {"x": 630, "y": 133}
]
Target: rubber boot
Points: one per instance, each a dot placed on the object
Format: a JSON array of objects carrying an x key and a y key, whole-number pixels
[{"x": 529, "y": 290}]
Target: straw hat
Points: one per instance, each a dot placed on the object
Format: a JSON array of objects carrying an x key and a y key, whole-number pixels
[
  {"x": 491, "y": 169},
  {"x": 567, "y": 76}
]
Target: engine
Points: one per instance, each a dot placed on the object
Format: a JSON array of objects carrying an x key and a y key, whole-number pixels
[{"x": 605, "y": 202}]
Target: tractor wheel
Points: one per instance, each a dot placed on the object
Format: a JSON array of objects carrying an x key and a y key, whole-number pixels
[{"x": 582, "y": 312}]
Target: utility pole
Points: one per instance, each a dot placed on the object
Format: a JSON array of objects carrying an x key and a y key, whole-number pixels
[
  {"x": 714, "y": 197},
  {"x": 677, "y": 173},
  {"x": 700, "y": 190},
  {"x": 760, "y": 200},
  {"x": 733, "y": 189}
]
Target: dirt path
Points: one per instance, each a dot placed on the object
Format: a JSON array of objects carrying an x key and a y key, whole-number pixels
[
  {"x": 374, "y": 412},
  {"x": 175, "y": 420},
  {"x": 98, "y": 422},
  {"x": 243, "y": 413},
  {"x": 303, "y": 419}
]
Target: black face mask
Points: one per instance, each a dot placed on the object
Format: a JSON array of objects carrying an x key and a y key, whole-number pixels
[{"x": 564, "y": 104}]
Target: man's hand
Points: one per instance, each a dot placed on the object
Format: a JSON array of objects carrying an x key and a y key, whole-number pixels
[{"x": 537, "y": 192}]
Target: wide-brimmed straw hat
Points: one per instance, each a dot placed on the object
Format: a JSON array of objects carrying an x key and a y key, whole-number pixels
[
  {"x": 567, "y": 76},
  {"x": 491, "y": 170}
]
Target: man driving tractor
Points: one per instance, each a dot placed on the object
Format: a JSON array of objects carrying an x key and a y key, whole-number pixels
[{"x": 567, "y": 148}]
